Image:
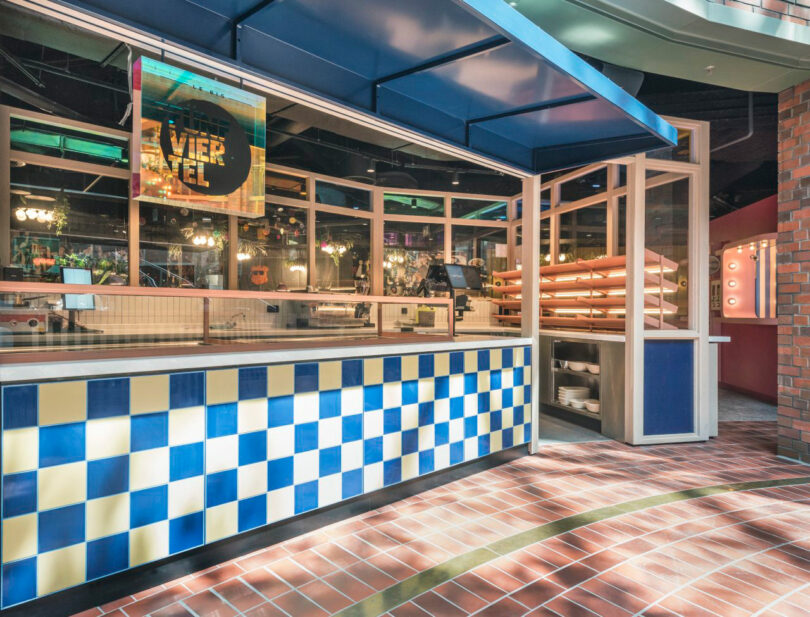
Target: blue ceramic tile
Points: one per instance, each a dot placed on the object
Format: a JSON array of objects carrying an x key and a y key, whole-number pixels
[
  {"x": 306, "y": 377},
  {"x": 19, "y": 406},
  {"x": 186, "y": 461},
  {"x": 107, "y": 397},
  {"x": 220, "y": 488},
  {"x": 470, "y": 426},
  {"x": 426, "y": 365},
  {"x": 426, "y": 413},
  {"x": 221, "y": 420},
  {"x": 483, "y": 359},
  {"x": 426, "y": 463},
  {"x": 186, "y": 390},
  {"x": 185, "y": 532},
  {"x": 410, "y": 441},
  {"x": 410, "y": 392},
  {"x": 456, "y": 362},
  {"x": 456, "y": 407},
  {"x": 19, "y": 494},
  {"x": 495, "y": 421},
  {"x": 495, "y": 379},
  {"x": 280, "y": 411},
  {"x": 470, "y": 383},
  {"x": 372, "y": 450},
  {"x": 108, "y": 476},
  {"x": 442, "y": 388},
  {"x": 483, "y": 445},
  {"x": 483, "y": 402},
  {"x": 527, "y": 395},
  {"x": 60, "y": 444},
  {"x": 508, "y": 438},
  {"x": 507, "y": 398},
  {"x": 392, "y": 420},
  {"x": 352, "y": 483},
  {"x": 149, "y": 506},
  {"x": 252, "y": 382},
  {"x": 329, "y": 461},
  {"x": 527, "y": 356},
  {"x": 329, "y": 403},
  {"x": 517, "y": 415},
  {"x": 61, "y": 527},
  {"x": 372, "y": 397},
  {"x": 19, "y": 581},
  {"x": 392, "y": 471},
  {"x": 527, "y": 432},
  {"x": 352, "y": 428},
  {"x": 306, "y": 497},
  {"x": 252, "y": 512},
  {"x": 518, "y": 376},
  {"x": 507, "y": 357},
  {"x": 442, "y": 433},
  {"x": 150, "y": 431},
  {"x": 306, "y": 437},
  {"x": 279, "y": 473},
  {"x": 107, "y": 555},
  {"x": 252, "y": 447},
  {"x": 352, "y": 373},
  {"x": 456, "y": 452},
  {"x": 392, "y": 369}
]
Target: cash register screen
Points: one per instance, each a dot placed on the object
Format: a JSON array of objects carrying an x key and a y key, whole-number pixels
[
  {"x": 78, "y": 302},
  {"x": 463, "y": 277}
]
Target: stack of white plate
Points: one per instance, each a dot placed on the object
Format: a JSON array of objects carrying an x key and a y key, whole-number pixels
[{"x": 573, "y": 396}]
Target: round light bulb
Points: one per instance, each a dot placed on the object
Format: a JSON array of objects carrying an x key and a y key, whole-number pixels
[
  {"x": 732, "y": 266},
  {"x": 732, "y": 283},
  {"x": 732, "y": 301},
  {"x": 739, "y": 249},
  {"x": 20, "y": 214}
]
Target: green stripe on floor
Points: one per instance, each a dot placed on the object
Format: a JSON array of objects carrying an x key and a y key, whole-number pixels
[{"x": 418, "y": 584}]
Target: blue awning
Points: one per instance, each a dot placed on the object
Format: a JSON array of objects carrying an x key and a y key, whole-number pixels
[{"x": 474, "y": 73}]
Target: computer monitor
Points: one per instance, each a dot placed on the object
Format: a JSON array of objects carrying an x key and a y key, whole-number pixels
[
  {"x": 78, "y": 302},
  {"x": 463, "y": 277}
]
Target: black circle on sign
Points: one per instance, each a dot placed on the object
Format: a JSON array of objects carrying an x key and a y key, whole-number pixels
[{"x": 207, "y": 117}]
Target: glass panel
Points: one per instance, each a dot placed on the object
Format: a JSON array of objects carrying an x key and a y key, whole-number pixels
[
  {"x": 52, "y": 140},
  {"x": 519, "y": 208},
  {"x": 419, "y": 205},
  {"x": 583, "y": 233},
  {"x": 482, "y": 247},
  {"x": 285, "y": 185},
  {"x": 681, "y": 152},
  {"x": 480, "y": 209},
  {"x": 584, "y": 186},
  {"x": 272, "y": 252},
  {"x": 622, "y": 225},
  {"x": 344, "y": 196},
  {"x": 409, "y": 249},
  {"x": 183, "y": 248},
  {"x": 64, "y": 218},
  {"x": 666, "y": 232},
  {"x": 545, "y": 242},
  {"x": 342, "y": 253}
]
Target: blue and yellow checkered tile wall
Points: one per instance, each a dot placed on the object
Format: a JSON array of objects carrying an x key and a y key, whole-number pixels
[{"x": 102, "y": 475}]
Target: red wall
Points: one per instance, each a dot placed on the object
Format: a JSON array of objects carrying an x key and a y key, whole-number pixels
[{"x": 749, "y": 362}]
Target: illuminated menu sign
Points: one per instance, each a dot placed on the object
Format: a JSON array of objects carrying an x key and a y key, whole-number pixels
[{"x": 201, "y": 142}]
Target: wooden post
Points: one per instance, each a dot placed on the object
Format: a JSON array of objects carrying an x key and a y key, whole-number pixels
[
  {"x": 530, "y": 293},
  {"x": 634, "y": 315}
]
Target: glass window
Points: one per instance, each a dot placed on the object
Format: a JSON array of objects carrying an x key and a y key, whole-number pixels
[
  {"x": 285, "y": 185},
  {"x": 479, "y": 209},
  {"x": 681, "y": 152},
  {"x": 409, "y": 249},
  {"x": 483, "y": 247},
  {"x": 272, "y": 252},
  {"x": 666, "y": 231},
  {"x": 342, "y": 250},
  {"x": 344, "y": 196},
  {"x": 583, "y": 233},
  {"x": 418, "y": 205},
  {"x": 64, "y": 218},
  {"x": 584, "y": 186},
  {"x": 545, "y": 242},
  {"x": 622, "y": 225},
  {"x": 64, "y": 143},
  {"x": 181, "y": 247},
  {"x": 545, "y": 203}
]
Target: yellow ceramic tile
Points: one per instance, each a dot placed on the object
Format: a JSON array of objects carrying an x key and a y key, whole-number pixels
[
  {"x": 186, "y": 496},
  {"x": 107, "y": 516},
  {"x": 280, "y": 504},
  {"x": 330, "y": 375},
  {"x": 62, "y": 402},
  {"x": 62, "y": 485},
  {"x": 470, "y": 361},
  {"x": 483, "y": 423},
  {"x": 441, "y": 364},
  {"x": 495, "y": 359},
  {"x": 483, "y": 381},
  {"x": 186, "y": 425},
  {"x": 496, "y": 441},
  {"x": 280, "y": 380},
  {"x": 221, "y": 453},
  {"x": 410, "y": 368},
  {"x": 372, "y": 371},
  {"x": 221, "y": 521},
  {"x": 251, "y": 415},
  {"x": 427, "y": 390},
  {"x": 20, "y": 449},
  {"x": 410, "y": 466},
  {"x": 19, "y": 537},
  {"x": 148, "y": 468},
  {"x": 392, "y": 394},
  {"x": 306, "y": 407},
  {"x": 495, "y": 400},
  {"x": 60, "y": 569},
  {"x": 251, "y": 480},
  {"x": 221, "y": 386},
  {"x": 148, "y": 394},
  {"x": 108, "y": 437},
  {"x": 148, "y": 543}
]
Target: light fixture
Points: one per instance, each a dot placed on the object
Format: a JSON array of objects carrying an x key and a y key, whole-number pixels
[
  {"x": 34, "y": 214},
  {"x": 243, "y": 256},
  {"x": 371, "y": 166},
  {"x": 413, "y": 203},
  {"x": 732, "y": 283},
  {"x": 548, "y": 258},
  {"x": 739, "y": 249},
  {"x": 751, "y": 246},
  {"x": 732, "y": 266},
  {"x": 732, "y": 301},
  {"x": 454, "y": 179},
  {"x": 764, "y": 244},
  {"x": 562, "y": 257}
]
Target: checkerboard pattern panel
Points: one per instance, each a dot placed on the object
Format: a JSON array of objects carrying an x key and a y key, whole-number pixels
[{"x": 102, "y": 475}]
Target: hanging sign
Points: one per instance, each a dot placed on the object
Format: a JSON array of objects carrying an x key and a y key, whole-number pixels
[{"x": 201, "y": 142}]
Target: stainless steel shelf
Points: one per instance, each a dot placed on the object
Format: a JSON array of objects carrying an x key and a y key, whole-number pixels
[{"x": 568, "y": 371}]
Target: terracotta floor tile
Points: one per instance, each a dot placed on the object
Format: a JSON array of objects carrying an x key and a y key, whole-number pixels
[
  {"x": 157, "y": 601},
  {"x": 435, "y": 604},
  {"x": 460, "y": 596},
  {"x": 266, "y": 583},
  {"x": 266, "y": 610},
  {"x": 313, "y": 562},
  {"x": 349, "y": 585},
  {"x": 325, "y": 596},
  {"x": 298, "y": 605},
  {"x": 290, "y": 572},
  {"x": 565, "y": 607},
  {"x": 397, "y": 568},
  {"x": 537, "y": 593},
  {"x": 336, "y": 554},
  {"x": 208, "y": 604},
  {"x": 371, "y": 576},
  {"x": 409, "y": 609},
  {"x": 479, "y": 587},
  {"x": 501, "y": 608},
  {"x": 239, "y": 594},
  {"x": 173, "y": 610}
]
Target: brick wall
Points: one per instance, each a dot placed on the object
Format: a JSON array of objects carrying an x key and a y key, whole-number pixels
[
  {"x": 793, "y": 272},
  {"x": 797, "y": 11}
]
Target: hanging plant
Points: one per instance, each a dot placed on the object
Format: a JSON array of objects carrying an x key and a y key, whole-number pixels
[
  {"x": 175, "y": 252},
  {"x": 61, "y": 210},
  {"x": 335, "y": 250}
]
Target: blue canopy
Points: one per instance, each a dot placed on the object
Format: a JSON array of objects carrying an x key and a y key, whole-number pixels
[{"x": 474, "y": 73}]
